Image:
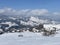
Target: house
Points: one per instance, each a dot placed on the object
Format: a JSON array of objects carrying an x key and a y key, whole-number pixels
[{"x": 35, "y": 30}]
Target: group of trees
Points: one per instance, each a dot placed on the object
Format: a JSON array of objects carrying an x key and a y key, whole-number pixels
[{"x": 46, "y": 32}]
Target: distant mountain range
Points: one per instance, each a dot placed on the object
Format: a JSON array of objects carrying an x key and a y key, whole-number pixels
[{"x": 26, "y": 18}]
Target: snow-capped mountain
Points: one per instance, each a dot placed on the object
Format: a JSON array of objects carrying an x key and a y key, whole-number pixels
[{"x": 36, "y": 21}]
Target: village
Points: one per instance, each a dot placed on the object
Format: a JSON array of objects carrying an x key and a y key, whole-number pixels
[{"x": 36, "y": 29}]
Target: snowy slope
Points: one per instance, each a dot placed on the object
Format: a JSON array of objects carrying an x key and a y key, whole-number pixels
[
  {"x": 34, "y": 21},
  {"x": 28, "y": 38},
  {"x": 52, "y": 25}
]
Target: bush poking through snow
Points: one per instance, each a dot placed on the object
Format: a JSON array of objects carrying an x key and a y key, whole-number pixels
[
  {"x": 49, "y": 32},
  {"x": 20, "y": 35}
]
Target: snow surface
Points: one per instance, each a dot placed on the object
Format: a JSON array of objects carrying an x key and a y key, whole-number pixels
[{"x": 29, "y": 38}]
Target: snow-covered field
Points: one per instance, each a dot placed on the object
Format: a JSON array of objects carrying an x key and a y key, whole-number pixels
[{"x": 29, "y": 38}]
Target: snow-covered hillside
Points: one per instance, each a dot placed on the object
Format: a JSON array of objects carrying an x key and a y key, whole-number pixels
[
  {"x": 35, "y": 21},
  {"x": 52, "y": 25},
  {"x": 29, "y": 38}
]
